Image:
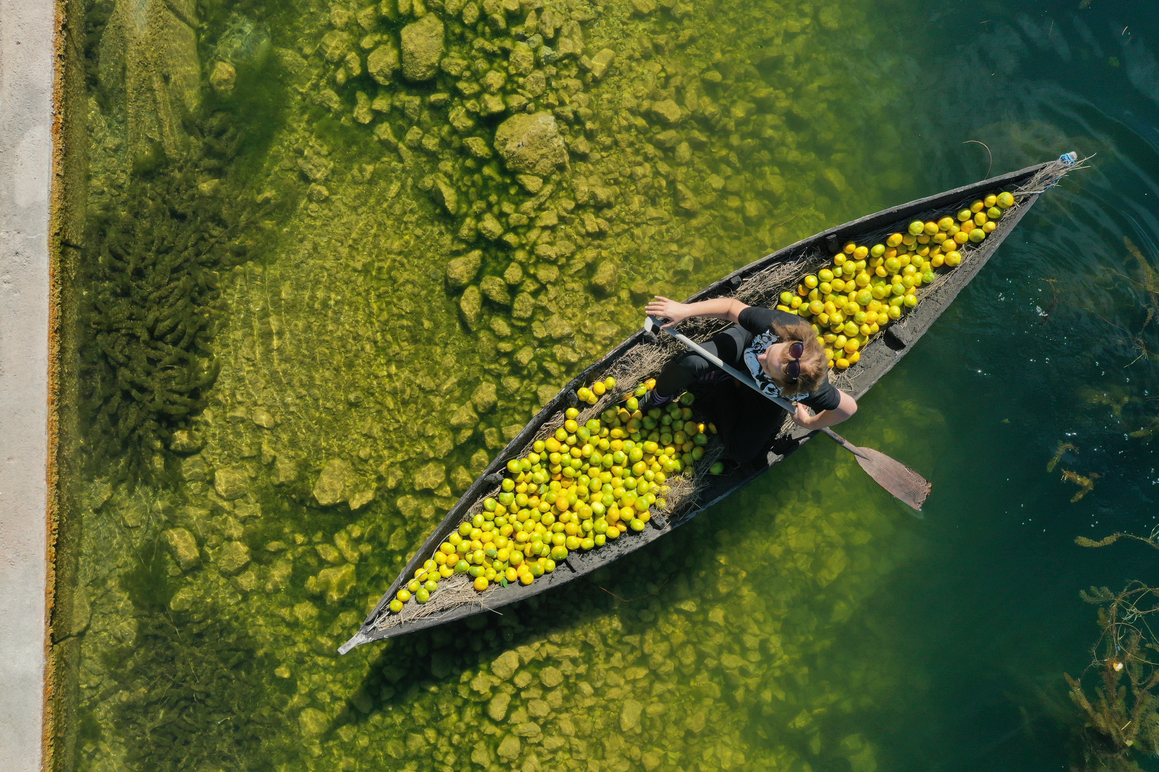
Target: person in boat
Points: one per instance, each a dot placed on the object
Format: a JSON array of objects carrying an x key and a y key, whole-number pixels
[{"x": 781, "y": 352}]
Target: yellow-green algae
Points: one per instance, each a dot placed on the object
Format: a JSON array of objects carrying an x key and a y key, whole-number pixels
[{"x": 376, "y": 346}]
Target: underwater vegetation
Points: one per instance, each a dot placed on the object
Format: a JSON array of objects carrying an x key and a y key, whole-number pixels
[
  {"x": 194, "y": 692},
  {"x": 1121, "y": 719},
  {"x": 147, "y": 321}
]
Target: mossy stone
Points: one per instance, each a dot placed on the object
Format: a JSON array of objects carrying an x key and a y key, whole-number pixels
[
  {"x": 667, "y": 111},
  {"x": 183, "y": 547},
  {"x": 490, "y": 227},
  {"x": 495, "y": 290},
  {"x": 497, "y": 707},
  {"x": 485, "y": 397},
  {"x": 230, "y": 483},
  {"x": 336, "y": 583},
  {"x": 232, "y": 557},
  {"x": 383, "y": 63},
  {"x": 471, "y": 306},
  {"x": 523, "y": 306},
  {"x": 313, "y": 722},
  {"x": 461, "y": 271},
  {"x": 531, "y": 144},
  {"x": 422, "y": 47},
  {"x": 430, "y": 476},
  {"x": 509, "y": 748},
  {"x": 606, "y": 279},
  {"x": 331, "y": 487}
]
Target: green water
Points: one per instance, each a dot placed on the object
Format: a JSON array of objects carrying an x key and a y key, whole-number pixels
[{"x": 286, "y": 246}]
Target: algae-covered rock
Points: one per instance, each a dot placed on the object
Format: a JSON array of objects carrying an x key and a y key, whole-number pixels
[
  {"x": 332, "y": 482},
  {"x": 230, "y": 483},
  {"x": 667, "y": 111},
  {"x": 522, "y": 59},
  {"x": 422, "y": 47},
  {"x": 531, "y": 144},
  {"x": 630, "y": 715},
  {"x": 477, "y": 147},
  {"x": 485, "y": 397},
  {"x": 445, "y": 195},
  {"x": 312, "y": 722},
  {"x": 686, "y": 199},
  {"x": 598, "y": 65},
  {"x": 464, "y": 417},
  {"x": 523, "y": 307},
  {"x": 505, "y": 665},
  {"x": 481, "y": 754},
  {"x": 223, "y": 77},
  {"x": 471, "y": 306},
  {"x": 509, "y": 748},
  {"x": 607, "y": 277},
  {"x": 551, "y": 676},
  {"x": 497, "y": 707},
  {"x": 232, "y": 558},
  {"x": 490, "y": 227},
  {"x": 184, "y": 441},
  {"x": 336, "y": 583},
  {"x": 183, "y": 547},
  {"x": 430, "y": 476},
  {"x": 263, "y": 418},
  {"x": 384, "y": 63},
  {"x": 461, "y": 271},
  {"x": 530, "y": 182},
  {"x": 361, "y": 498},
  {"x": 495, "y": 290}
]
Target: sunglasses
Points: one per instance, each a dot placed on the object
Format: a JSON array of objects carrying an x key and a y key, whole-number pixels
[{"x": 793, "y": 368}]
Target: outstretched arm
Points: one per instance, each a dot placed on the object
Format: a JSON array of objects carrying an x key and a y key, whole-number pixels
[
  {"x": 717, "y": 308},
  {"x": 846, "y": 408}
]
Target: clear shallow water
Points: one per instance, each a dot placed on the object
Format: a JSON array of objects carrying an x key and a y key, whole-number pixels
[{"x": 807, "y": 620}]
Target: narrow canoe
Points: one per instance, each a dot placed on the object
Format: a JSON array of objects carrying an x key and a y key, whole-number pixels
[{"x": 758, "y": 283}]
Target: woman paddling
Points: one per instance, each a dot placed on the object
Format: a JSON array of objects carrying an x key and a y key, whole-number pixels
[{"x": 782, "y": 353}]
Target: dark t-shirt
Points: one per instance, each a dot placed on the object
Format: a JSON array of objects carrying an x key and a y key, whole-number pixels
[{"x": 759, "y": 322}]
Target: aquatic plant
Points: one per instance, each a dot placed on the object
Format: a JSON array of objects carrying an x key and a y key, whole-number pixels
[
  {"x": 1121, "y": 718},
  {"x": 194, "y": 686},
  {"x": 147, "y": 321}
]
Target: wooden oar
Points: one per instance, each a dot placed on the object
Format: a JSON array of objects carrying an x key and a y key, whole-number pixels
[{"x": 905, "y": 484}]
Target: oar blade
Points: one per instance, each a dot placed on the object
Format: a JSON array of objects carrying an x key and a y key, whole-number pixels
[{"x": 904, "y": 483}]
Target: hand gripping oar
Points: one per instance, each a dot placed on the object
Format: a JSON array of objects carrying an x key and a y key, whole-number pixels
[{"x": 905, "y": 484}]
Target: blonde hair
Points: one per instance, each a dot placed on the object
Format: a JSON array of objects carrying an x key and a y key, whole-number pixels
[{"x": 813, "y": 361}]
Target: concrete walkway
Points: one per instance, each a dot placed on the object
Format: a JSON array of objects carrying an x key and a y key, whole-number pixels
[{"x": 26, "y": 80}]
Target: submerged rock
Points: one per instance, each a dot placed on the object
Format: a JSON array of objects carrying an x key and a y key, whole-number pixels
[
  {"x": 230, "y": 483},
  {"x": 244, "y": 45},
  {"x": 461, "y": 271},
  {"x": 183, "y": 547},
  {"x": 336, "y": 583},
  {"x": 232, "y": 558},
  {"x": 184, "y": 441},
  {"x": 332, "y": 482},
  {"x": 384, "y": 63},
  {"x": 422, "y": 47},
  {"x": 430, "y": 476},
  {"x": 313, "y": 722},
  {"x": 471, "y": 306},
  {"x": 607, "y": 277},
  {"x": 223, "y": 78},
  {"x": 531, "y": 144}
]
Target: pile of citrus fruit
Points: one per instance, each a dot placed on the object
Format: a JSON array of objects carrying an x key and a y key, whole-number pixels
[
  {"x": 866, "y": 288},
  {"x": 579, "y": 488}
]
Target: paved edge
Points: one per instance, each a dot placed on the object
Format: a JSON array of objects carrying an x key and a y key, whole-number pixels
[{"x": 27, "y": 76}]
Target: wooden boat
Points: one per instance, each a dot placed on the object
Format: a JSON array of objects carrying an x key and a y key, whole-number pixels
[{"x": 758, "y": 283}]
